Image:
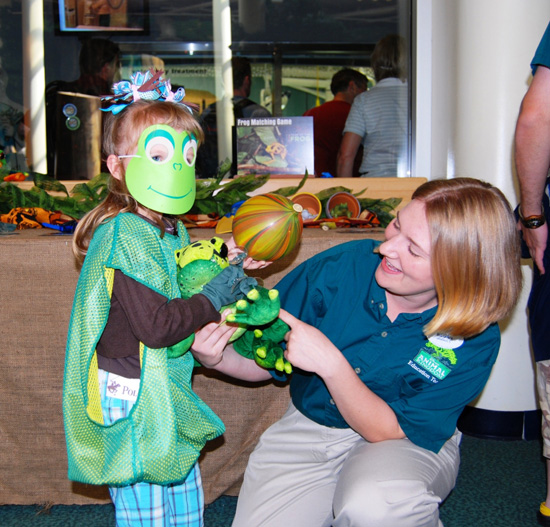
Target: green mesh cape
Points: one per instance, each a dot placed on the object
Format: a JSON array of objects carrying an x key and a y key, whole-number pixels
[{"x": 161, "y": 439}]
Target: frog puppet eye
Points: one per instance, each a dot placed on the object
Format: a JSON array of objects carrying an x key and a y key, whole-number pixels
[{"x": 159, "y": 147}]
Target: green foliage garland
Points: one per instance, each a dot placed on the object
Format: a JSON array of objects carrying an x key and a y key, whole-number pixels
[{"x": 214, "y": 196}]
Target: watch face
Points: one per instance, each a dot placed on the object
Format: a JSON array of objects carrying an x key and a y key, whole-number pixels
[{"x": 534, "y": 223}]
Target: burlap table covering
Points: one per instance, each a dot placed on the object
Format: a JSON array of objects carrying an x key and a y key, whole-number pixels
[{"x": 38, "y": 278}]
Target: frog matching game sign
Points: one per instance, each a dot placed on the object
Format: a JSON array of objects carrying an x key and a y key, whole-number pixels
[{"x": 275, "y": 145}]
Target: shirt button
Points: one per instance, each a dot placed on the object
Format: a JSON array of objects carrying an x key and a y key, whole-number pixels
[
  {"x": 384, "y": 334},
  {"x": 381, "y": 306},
  {"x": 358, "y": 370},
  {"x": 332, "y": 402}
]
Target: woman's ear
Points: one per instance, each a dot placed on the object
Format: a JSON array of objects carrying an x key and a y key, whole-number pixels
[{"x": 115, "y": 167}]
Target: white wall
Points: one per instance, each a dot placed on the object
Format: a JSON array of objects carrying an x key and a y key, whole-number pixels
[{"x": 479, "y": 53}]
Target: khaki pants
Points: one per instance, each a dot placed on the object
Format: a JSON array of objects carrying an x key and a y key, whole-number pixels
[
  {"x": 543, "y": 389},
  {"x": 303, "y": 474}
]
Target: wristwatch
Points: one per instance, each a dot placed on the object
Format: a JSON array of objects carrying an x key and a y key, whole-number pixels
[{"x": 532, "y": 222}]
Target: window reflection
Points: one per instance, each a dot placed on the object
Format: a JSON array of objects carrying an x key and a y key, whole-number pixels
[{"x": 294, "y": 46}]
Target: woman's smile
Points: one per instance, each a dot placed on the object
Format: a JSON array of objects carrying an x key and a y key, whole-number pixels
[{"x": 388, "y": 267}]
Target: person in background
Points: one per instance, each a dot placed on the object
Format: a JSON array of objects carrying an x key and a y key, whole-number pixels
[
  {"x": 243, "y": 107},
  {"x": 388, "y": 342},
  {"x": 532, "y": 157},
  {"x": 378, "y": 118},
  {"x": 99, "y": 63},
  {"x": 330, "y": 117},
  {"x": 132, "y": 420}
]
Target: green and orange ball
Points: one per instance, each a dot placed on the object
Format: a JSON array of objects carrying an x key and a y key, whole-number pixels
[{"x": 268, "y": 226}]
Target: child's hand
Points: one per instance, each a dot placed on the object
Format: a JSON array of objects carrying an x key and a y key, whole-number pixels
[
  {"x": 211, "y": 340},
  {"x": 249, "y": 262}
]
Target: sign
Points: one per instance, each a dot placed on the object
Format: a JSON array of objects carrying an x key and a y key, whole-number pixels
[{"x": 274, "y": 145}]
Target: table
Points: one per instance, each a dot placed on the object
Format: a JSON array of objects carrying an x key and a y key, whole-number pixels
[{"x": 38, "y": 278}]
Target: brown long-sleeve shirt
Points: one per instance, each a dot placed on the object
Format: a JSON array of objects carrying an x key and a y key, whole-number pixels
[{"x": 139, "y": 314}]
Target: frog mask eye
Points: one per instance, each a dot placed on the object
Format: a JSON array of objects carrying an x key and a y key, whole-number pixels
[
  {"x": 190, "y": 150},
  {"x": 159, "y": 147},
  {"x": 161, "y": 176}
]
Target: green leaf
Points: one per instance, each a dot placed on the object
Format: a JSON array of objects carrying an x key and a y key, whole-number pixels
[
  {"x": 47, "y": 183},
  {"x": 328, "y": 192},
  {"x": 384, "y": 217},
  {"x": 290, "y": 191}
]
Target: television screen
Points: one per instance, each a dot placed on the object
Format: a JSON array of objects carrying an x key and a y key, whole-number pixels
[{"x": 102, "y": 16}]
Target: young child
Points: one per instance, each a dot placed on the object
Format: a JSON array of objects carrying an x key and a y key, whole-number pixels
[{"x": 132, "y": 420}]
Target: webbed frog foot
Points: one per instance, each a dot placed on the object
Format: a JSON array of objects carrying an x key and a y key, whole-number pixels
[
  {"x": 260, "y": 307},
  {"x": 263, "y": 345}
]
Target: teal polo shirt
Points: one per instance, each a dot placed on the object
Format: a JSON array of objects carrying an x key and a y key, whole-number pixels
[
  {"x": 427, "y": 383},
  {"x": 542, "y": 55}
]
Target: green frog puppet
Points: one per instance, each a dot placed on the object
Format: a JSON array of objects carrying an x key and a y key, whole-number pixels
[{"x": 260, "y": 330}]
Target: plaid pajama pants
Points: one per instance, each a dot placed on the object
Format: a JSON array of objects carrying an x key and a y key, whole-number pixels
[{"x": 146, "y": 504}]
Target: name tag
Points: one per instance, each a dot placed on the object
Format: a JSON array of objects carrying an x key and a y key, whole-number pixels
[{"x": 122, "y": 387}]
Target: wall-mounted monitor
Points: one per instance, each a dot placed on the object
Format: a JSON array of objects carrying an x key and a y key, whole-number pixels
[{"x": 102, "y": 16}]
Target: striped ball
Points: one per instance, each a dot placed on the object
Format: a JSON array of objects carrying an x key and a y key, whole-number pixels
[{"x": 268, "y": 226}]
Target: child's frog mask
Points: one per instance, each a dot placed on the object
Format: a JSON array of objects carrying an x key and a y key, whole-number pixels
[{"x": 161, "y": 175}]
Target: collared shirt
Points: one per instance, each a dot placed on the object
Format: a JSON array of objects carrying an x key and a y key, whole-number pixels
[
  {"x": 380, "y": 117},
  {"x": 427, "y": 384},
  {"x": 329, "y": 120},
  {"x": 542, "y": 55}
]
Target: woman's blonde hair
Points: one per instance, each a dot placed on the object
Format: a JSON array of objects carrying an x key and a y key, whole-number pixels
[
  {"x": 121, "y": 134},
  {"x": 475, "y": 255}
]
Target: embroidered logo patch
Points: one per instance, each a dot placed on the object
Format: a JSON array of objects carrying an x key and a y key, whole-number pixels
[
  {"x": 431, "y": 365},
  {"x": 434, "y": 362}
]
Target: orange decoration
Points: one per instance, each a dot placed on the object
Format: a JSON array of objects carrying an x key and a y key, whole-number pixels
[{"x": 16, "y": 176}]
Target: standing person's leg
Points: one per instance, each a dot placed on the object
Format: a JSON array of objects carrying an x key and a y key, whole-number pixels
[
  {"x": 149, "y": 505},
  {"x": 291, "y": 475},
  {"x": 543, "y": 390},
  {"x": 186, "y": 501},
  {"x": 394, "y": 483},
  {"x": 146, "y": 504}
]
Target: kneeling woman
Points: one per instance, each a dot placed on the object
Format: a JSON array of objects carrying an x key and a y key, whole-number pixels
[{"x": 389, "y": 342}]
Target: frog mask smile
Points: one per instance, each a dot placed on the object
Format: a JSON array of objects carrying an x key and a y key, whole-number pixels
[{"x": 161, "y": 175}]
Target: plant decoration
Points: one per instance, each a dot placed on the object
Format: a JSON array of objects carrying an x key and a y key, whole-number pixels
[
  {"x": 382, "y": 208},
  {"x": 215, "y": 197},
  {"x": 51, "y": 194}
]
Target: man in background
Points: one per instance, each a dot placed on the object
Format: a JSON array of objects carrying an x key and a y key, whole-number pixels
[
  {"x": 378, "y": 119},
  {"x": 243, "y": 107},
  {"x": 330, "y": 117},
  {"x": 99, "y": 63},
  {"x": 532, "y": 153}
]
